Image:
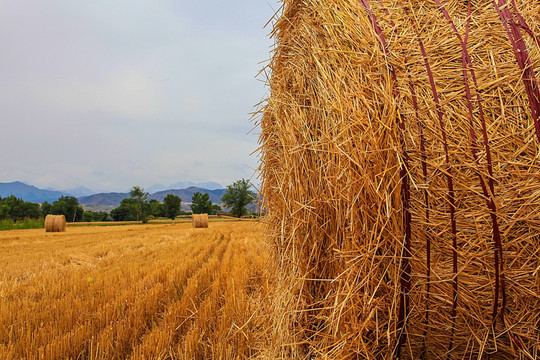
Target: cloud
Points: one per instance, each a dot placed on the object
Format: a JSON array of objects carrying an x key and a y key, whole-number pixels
[
  {"x": 129, "y": 93},
  {"x": 113, "y": 94}
]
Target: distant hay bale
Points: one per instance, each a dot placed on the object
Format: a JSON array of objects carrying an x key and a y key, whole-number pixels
[
  {"x": 199, "y": 220},
  {"x": 401, "y": 176},
  {"x": 55, "y": 223}
]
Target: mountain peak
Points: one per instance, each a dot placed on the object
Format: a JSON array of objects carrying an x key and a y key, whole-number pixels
[
  {"x": 80, "y": 191},
  {"x": 28, "y": 192}
]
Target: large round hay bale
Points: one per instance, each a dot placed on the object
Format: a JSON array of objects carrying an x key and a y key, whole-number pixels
[
  {"x": 55, "y": 223},
  {"x": 199, "y": 220},
  {"x": 401, "y": 176}
]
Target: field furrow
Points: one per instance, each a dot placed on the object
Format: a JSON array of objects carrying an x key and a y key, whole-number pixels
[{"x": 139, "y": 292}]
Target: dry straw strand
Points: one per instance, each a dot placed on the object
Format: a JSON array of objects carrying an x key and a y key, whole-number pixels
[{"x": 400, "y": 173}]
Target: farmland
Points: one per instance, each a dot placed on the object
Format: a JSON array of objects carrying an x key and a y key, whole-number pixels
[{"x": 135, "y": 292}]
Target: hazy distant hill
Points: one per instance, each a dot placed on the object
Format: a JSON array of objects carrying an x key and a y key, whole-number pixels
[
  {"x": 108, "y": 199},
  {"x": 184, "y": 185},
  {"x": 113, "y": 199},
  {"x": 186, "y": 194},
  {"x": 79, "y": 191},
  {"x": 210, "y": 185},
  {"x": 104, "y": 201},
  {"x": 28, "y": 192}
]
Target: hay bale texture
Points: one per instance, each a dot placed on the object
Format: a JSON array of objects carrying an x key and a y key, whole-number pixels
[
  {"x": 55, "y": 223},
  {"x": 199, "y": 220},
  {"x": 400, "y": 170}
]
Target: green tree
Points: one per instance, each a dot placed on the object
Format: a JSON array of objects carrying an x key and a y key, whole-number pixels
[
  {"x": 127, "y": 211},
  {"x": 156, "y": 208},
  {"x": 31, "y": 210},
  {"x": 4, "y": 212},
  {"x": 89, "y": 216},
  {"x": 69, "y": 207},
  {"x": 200, "y": 203},
  {"x": 215, "y": 208},
  {"x": 141, "y": 198},
  {"x": 172, "y": 204},
  {"x": 45, "y": 208},
  {"x": 102, "y": 216},
  {"x": 16, "y": 209},
  {"x": 238, "y": 196}
]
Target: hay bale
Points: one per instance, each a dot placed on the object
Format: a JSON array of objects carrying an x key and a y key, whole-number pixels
[
  {"x": 199, "y": 220},
  {"x": 401, "y": 175},
  {"x": 55, "y": 223}
]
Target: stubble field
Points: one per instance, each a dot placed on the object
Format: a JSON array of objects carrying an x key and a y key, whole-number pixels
[{"x": 135, "y": 292}]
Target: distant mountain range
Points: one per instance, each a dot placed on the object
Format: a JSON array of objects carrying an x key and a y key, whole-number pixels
[
  {"x": 110, "y": 199},
  {"x": 80, "y": 191},
  {"x": 184, "y": 185},
  {"x": 113, "y": 199},
  {"x": 28, "y": 192},
  {"x": 88, "y": 198},
  {"x": 186, "y": 194}
]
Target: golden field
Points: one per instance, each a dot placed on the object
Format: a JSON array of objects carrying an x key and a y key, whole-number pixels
[{"x": 135, "y": 292}]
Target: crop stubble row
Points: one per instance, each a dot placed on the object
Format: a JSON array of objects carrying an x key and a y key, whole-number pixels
[{"x": 138, "y": 292}]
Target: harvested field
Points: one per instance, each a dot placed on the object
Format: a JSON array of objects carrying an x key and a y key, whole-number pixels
[{"x": 134, "y": 292}]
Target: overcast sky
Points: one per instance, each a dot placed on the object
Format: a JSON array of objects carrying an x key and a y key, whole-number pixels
[{"x": 111, "y": 94}]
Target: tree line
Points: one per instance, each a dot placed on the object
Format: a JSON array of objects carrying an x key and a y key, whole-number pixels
[
  {"x": 137, "y": 207},
  {"x": 16, "y": 209}
]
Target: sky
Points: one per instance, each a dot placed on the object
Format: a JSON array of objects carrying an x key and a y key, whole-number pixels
[{"x": 112, "y": 94}]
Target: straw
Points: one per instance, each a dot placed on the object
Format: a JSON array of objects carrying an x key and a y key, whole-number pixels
[{"x": 400, "y": 175}]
